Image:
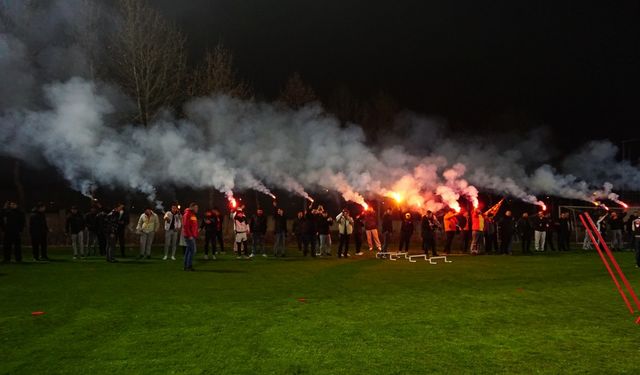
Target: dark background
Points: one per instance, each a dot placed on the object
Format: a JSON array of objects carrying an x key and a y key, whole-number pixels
[{"x": 498, "y": 65}]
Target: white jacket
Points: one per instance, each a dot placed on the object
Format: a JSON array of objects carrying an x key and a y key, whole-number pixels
[
  {"x": 345, "y": 224},
  {"x": 148, "y": 224},
  {"x": 177, "y": 225},
  {"x": 240, "y": 226}
]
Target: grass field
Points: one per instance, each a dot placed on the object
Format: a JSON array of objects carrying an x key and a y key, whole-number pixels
[{"x": 555, "y": 313}]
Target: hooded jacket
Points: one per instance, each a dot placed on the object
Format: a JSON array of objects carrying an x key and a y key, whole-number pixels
[{"x": 189, "y": 224}]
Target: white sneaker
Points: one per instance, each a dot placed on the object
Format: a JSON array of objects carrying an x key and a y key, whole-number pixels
[
  {"x": 213, "y": 257},
  {"x": 359, "y": 253},
  {"x": 173, "y": 258},
  {"x": 75, "y": 257},
  {"x": 371, "y": 249},
  {"x": 206, "y": 257},
  {"x": 238, "y": 257},
  {"x": 251, "y": 256},
  {"x": 264, "y": 255},
  {"x": 164, "y": 258}
]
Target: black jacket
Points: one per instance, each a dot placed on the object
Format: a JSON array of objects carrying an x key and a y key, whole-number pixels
[
  {"x": 258, "y": 224},
  {"x": 310, "y": 224},
  {"x": 506, "y": 226},
  {"x": 90, "y": 221},
  {"x": 407, "y": 227},
  {"x": 75, "y": 224},
  {"x": 280, "y": 224},
  {"x": 540, "y": 224},
  {"x": 428, "y": 226},
  {"x": 324, "y": 224},
  {"x": 387, "y": 223},
  {"x": 38, "y": 224},
  {"x": 14, "y": 221},
  {"x": 525, "y": 229}
]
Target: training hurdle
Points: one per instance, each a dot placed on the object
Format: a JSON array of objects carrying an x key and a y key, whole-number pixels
[
  {"x": 429, "y": 259},
  {"x": 604, "y": 252},
  {"x": 411, "y": 258}
]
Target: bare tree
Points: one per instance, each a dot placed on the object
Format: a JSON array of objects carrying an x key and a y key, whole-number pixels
[
  {"x": 296, "y": 93},
  {"x": 149, "y": 59},
  {"x": 216, "y": 75}
]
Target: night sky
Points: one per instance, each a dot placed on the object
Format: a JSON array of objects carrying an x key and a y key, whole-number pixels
[{"x": 570, "y": 65}]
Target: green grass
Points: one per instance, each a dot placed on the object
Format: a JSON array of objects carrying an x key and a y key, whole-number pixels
[{"x": 491, "y": 314}]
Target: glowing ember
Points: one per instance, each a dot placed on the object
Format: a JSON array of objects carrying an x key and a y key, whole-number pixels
[
  {"x": 310, "y": 199},
  {"x": 623, "y": 204},
  {"x": 365, "y": 206},
  {"x": 233, "y": 202},
  {"x": 543, "y": 206}
]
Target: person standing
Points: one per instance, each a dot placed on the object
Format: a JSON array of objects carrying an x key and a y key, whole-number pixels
[
  {"x": 190, "y": 234},
  {"x": 110, "y": 229},
  {"x": 309, "y": 233},
  {"x": 551, "y": 229},
  {"x": 465, "y": 223},
  {"x": 490, "y": 234},
  {"x": 406, "y": 232},
  {"x": 209, "y": 226},
  {"x": 242, "y": 229},
  {"x": 564, "y": 232},
  {"x": 387, "y": 230},
  {"x": 616, "y": 226},
  {"x": 172, "y": 229},
  {"x": 371, "y": 230},
  {"x": 450, "y": 229},
  {"x": 345, "y": 229},
  {"x": 324, "y": 233},
  {"x": 298, "y": 224},
  {"x": 74, "y": 228},
  {"x": 540, "y": 226},
  {"x": 91, "y": 230},
  {"x": 477, "y": 231},
  {"x": 123, "y": 223},
  {"x": 101, "y": 216},
  {"x": 429, "y": 226},
  {"x": 14, "y": 221},
  {"x": 217, "y": 220},
  {"x": 525, "y": 231},
  {"x": 635, "y": 230},
  {"x": 506, "y": 228},
  {"x": 628, "y": 227},
  {"x": 279, "y": 232},
  {"x": 258, "y": 227},
  {"x": 148, "y": 225},
  {"x": 38, "y": 230},
  {"x": 358, "y": 234}
]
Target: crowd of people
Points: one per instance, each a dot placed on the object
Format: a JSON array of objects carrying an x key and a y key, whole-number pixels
[{"x": 101, "y": 231}]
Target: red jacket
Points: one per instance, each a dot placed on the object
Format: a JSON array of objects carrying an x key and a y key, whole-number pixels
[{"x": 189, "y": 224}]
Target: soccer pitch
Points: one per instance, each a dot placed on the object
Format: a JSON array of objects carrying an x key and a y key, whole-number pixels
[{"x": 551, "y": 313}]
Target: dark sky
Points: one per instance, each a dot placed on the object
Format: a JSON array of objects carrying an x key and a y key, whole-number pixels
[{"x": 572, "y": 65}]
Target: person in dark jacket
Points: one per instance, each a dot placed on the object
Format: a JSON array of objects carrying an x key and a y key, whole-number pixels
[
  {"x": 74, "y": 228},
  {"x": 123, "y": 222},
  {"x": 616, "y": 227},
  {"x": 387, "y": 230},
  {"x": 279, "y": 232},
  {"x": 258, "y": 226},
  {"x": 298, "y": 225},
  {"x": 218, "y": 219},
  {"x": 490, "y": 234},
  {"x": 101, "y": 217},
  {"x": 309, "y": 232},
  {"x": 209, "y": 226},
  {"x": 38, "y": 230},
  {"x": 111, "y": 230},
  {"x": 358, "y": 232},
  {"x": 628, "y": 226},
  {"x": 506, "y": 228},
  {"x": 14, "y": 221},
  {"x": 540, "y": 225},
  {"x": 551, "y": 229},
  {"x": 324, "y": 233},
  {"x": 429, "y": 226},
  {"x": 564, "y": 232},
  {"x": 525, "y": 232},
  {"x": 406, "y": 232},
  {"x": 92, "y": 230}
]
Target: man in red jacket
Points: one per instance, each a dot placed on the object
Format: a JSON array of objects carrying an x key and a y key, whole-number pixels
[{"x": 190, "y": 233}]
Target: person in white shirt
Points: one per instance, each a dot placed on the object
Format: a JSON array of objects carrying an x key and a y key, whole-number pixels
[
  {"x": 172, "y": 229},
  {"x": 148, "y": 225},
  {"x": 241, "y": 228}
]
